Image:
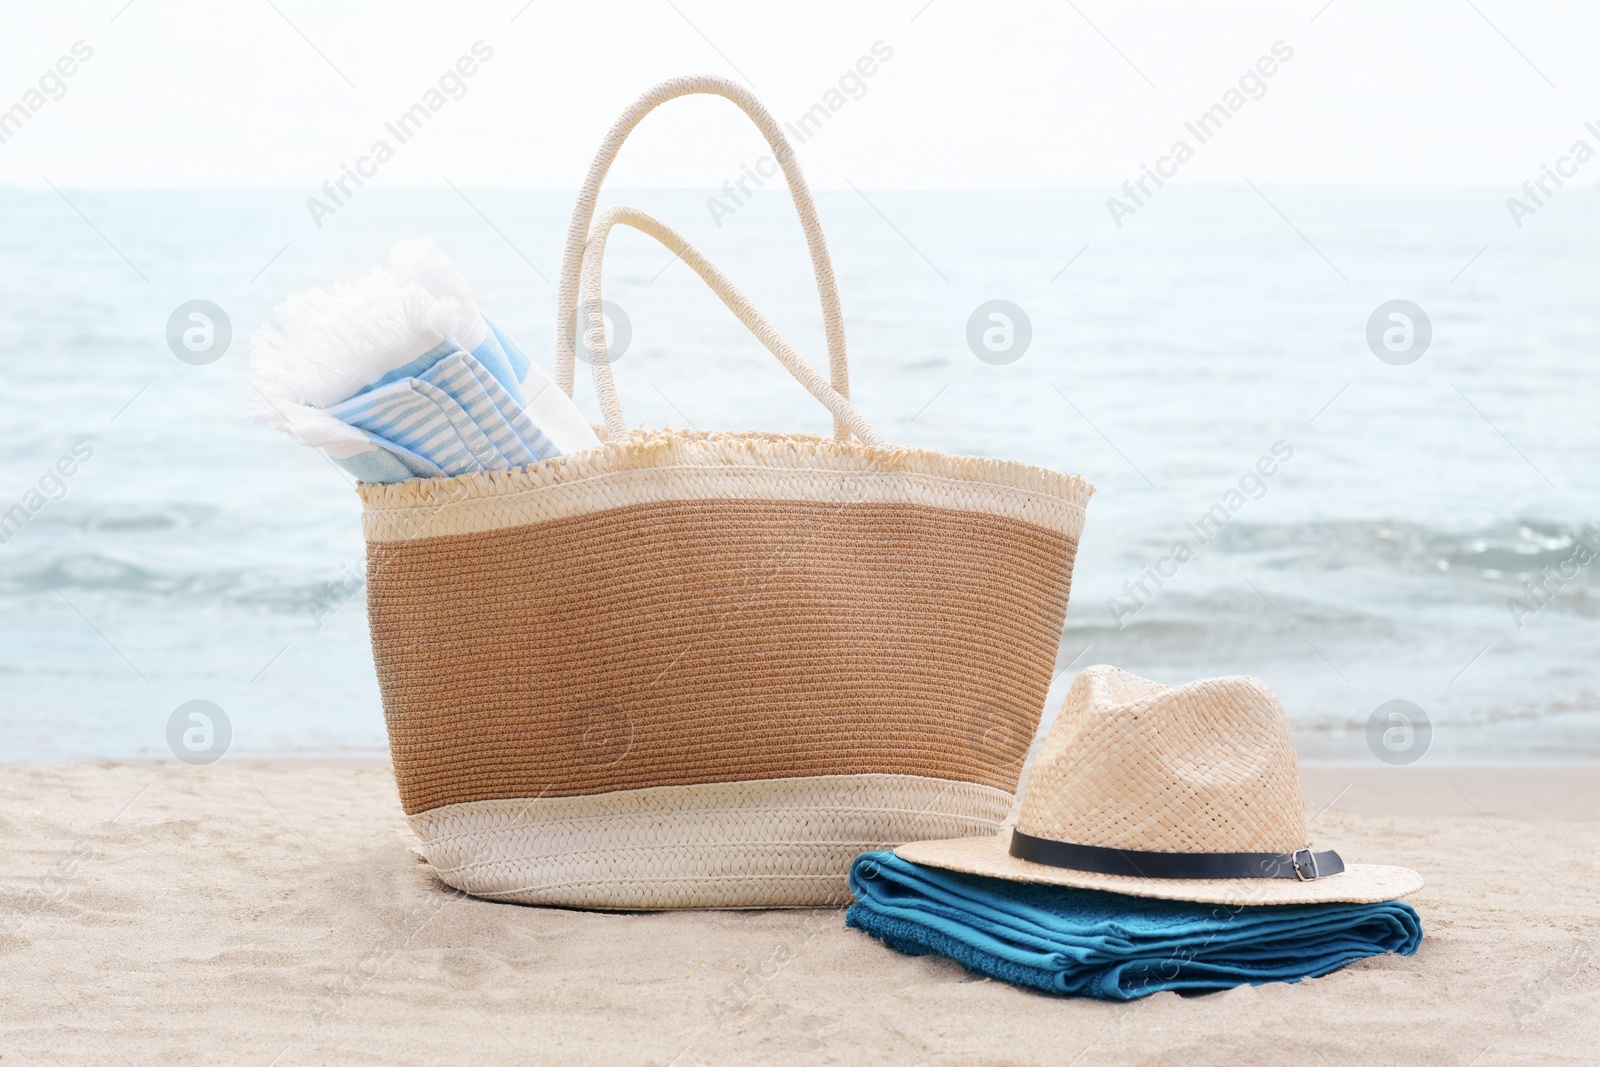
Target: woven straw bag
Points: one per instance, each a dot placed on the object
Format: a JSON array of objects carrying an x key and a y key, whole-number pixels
[{"x": 690, "y": 669}]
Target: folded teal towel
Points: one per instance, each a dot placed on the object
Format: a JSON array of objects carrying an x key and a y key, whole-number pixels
[{"x": 1108, "y": 945}]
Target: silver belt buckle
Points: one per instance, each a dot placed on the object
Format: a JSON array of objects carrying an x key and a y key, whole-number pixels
[{"x": 1300, "y": 869}]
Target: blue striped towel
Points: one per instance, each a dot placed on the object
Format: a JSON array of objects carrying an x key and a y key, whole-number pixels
[
  {"x": 491, "y": 407},
  {"x": 1108, "y": 945},
  {"x": 424, "y": 420},
  {"x": 455, "y": 414},
  {"x": 448, "y": 412},
  {"x": 397, "y": 374}
]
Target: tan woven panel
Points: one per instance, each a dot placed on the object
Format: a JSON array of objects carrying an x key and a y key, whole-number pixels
[{"x": 685, "y": 642}]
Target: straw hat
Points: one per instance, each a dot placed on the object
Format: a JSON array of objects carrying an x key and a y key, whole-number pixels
[{"x": 1186, "y": 792}]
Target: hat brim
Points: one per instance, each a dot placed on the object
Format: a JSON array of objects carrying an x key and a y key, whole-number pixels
[{"x": 1359, "y": 883}]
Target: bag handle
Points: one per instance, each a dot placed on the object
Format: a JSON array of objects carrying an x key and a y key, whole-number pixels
[
  {"x": 583, "y": 215},
  {"x": 594, "y": 325}
]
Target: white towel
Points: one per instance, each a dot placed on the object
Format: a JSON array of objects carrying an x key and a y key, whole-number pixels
[{"x": 410, "y": 321}]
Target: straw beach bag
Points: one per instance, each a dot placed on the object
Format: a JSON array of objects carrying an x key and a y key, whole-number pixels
[{"x": 690, "y": 669}]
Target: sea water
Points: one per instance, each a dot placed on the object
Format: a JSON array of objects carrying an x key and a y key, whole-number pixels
[{"x": 1215, "y": 335}]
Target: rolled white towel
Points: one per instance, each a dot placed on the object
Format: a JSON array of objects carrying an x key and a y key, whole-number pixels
[{"x": 411, "y": 319}]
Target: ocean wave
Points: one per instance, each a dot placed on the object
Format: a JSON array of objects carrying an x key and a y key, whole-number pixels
[
  {"x": 107, "y": 575},
  {"x": 1517, "y": 549}
]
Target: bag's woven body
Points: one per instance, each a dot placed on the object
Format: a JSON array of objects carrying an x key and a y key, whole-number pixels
[
  {"x": 737, "y": 645},
  {"x": 708, "y": 670}
]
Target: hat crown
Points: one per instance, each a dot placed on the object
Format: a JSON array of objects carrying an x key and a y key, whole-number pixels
[{"x": 1133, "y": 764}]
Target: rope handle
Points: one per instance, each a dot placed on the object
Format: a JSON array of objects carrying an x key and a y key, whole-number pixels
[
  {"x": 583, "y": 215},
  {"x": 594, "y": 325}
]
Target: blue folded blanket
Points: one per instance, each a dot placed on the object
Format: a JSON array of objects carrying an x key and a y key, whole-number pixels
[{"x": 1108, "y": 945}]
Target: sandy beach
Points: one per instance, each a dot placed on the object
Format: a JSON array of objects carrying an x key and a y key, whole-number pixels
[{"x": 275, "y": 913}]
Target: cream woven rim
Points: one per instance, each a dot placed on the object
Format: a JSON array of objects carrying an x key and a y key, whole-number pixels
[
  {"x": 1360, "y": 883},
  {"x": 654, "y": 465},
  {"x": 783, "y": 842}
]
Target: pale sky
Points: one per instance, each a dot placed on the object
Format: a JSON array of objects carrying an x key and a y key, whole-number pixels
[{"x": 251, "y": 93}]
